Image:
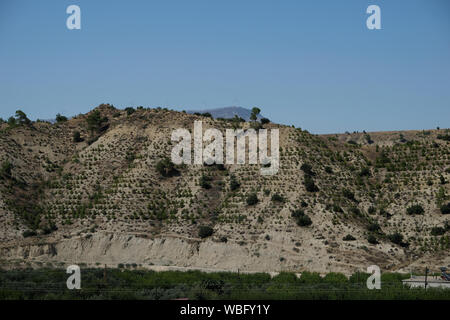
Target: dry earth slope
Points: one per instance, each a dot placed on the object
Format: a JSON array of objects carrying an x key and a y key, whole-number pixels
[{"x": 101, "y": 200}]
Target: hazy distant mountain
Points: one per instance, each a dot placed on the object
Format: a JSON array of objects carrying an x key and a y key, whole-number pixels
[{"x": 228, "y": 112}]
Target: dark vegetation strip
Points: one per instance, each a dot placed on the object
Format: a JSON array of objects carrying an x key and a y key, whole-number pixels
[{"x": 196, "y": 285}]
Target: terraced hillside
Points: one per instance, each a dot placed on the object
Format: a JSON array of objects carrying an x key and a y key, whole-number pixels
[{"x": 96, "y": 189}]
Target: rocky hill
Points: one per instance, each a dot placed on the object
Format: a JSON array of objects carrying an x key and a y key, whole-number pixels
[{"x": 96, "y": 190}]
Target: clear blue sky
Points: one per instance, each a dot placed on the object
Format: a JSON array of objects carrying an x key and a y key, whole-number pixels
[{"x": 313, "y": 64}]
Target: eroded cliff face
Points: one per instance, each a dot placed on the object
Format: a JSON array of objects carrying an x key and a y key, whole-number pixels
[
  {"x": 176, "y": 253},
  {"x": 163, "y": 253},
  {"x": 114, "y": 249}
]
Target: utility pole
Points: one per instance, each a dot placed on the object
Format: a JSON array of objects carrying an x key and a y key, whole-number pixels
[{"x": 426, "y": 277}]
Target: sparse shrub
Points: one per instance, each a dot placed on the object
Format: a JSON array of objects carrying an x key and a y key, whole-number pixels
[
  {"x": 205, "y": 231},
  {"x": 382, "y": 160},
  {"x": 60, "y": 118},
  {"x": 29, "y": 233},
  {"x": 301, "y": 218},
  {"x": 355, "y": 211},
  {"x": 415, "y": 209},
  {"x": 349, "y": 237},
  {"x": 437, "y": 231},
  {"x": 445, "y": 209},
  {"x": 130, "y": 111},
  {"x": 374, "y": 227},
  {"x": 254, "y": 115},
  {"x": 396, "y": 238},
  {"x": 385, "y": 213},
  {"x": 307, "y": 169},
  {"x": 368, "y": 139},
  {"x": 328, "y": 169},
  {"x": 337, "y": 208},
  {"x": 365, "y": 172},
  {"x": 50, "y": 228},
  {"x": 219, "y": 166},
  {"x": 21, "y": 118},
  {"x": 77, "y": 137},
  {"x": 166, "y": 168},
  {"x": 277, "y": 198},
  {"x": 130, "y": 157},
  {"x": 444, "y": 137},
  {"x": 255, "y": 125},
  {"x": 348, "y": 194},
  {"x": 304, "y": 221},
  {"x": 297, "y": 213},
  {"x": 252, "y": 199},
  {"x": 12, "y": 122},
  {"x": 95, "y": 121},
  {"x": 234, "y": 184},
  {"x": 372, "y": 239},
  {"x": 5, "y": 169},
  {"x": 309, "y": 184},
  {"x": 204, "y": 182}
]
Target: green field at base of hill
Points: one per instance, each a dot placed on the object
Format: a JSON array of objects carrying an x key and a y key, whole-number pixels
[{"x": 143, "y": 284}]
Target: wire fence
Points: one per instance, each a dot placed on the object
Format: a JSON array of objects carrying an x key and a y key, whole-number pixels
[{"x": 95, "y": 283}]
